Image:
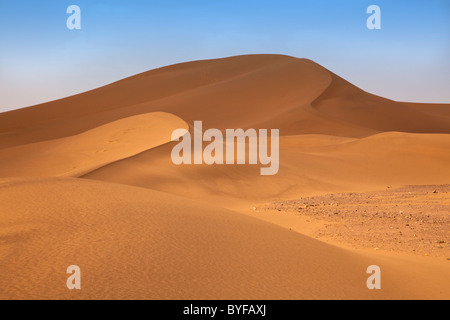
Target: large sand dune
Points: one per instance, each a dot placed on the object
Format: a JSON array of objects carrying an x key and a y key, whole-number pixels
[
  {"x": 88, "y": 180},
  {"x": 295, "y": 95}
]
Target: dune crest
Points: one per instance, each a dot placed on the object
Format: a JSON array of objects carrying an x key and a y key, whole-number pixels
[
  {"x": 76, "y": 155},
  {"x": 294, "y": 95}
]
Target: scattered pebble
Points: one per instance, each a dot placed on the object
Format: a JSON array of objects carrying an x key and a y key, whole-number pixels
[{"x": 381, "y": 217}]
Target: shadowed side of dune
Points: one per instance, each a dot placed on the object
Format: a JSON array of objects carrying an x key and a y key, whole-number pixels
[
  {"x": 309, "y": 164},
  {"x": 345, "y": 102}
]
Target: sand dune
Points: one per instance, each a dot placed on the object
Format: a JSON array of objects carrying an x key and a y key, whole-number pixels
[
  {"x": 136, "y": 243},
  {"x": 88, "y": 180},
  {"x": 76, "y": 155},
  {"x": 257, "y": 91},
  {"x": 345, "y": 102},
  {"x": 309, "y": 164}
]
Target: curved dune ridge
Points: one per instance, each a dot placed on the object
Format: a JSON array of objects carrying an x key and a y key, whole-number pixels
[
  {"x": 84, "y": 152},
  {"x": 88, "y": 180},
  {"x": 308, "y": 164}
]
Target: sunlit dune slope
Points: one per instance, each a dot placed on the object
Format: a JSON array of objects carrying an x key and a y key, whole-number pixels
[
  {"x": 136, "y": 243},
  {"x": 79, "y": 154}
]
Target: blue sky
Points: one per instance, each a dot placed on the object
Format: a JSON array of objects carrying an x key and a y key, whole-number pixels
[{"x": 41, "y": 60}]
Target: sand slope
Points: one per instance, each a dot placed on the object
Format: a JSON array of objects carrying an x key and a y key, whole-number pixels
[
  {"x": 136, "y": 243},
  {"x": 88, "y": 180},
  {"x": 308, "y": 164},
  {"x": 79, "y": 154}
]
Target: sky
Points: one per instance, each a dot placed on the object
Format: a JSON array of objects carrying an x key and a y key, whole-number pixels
[{"x": 408, "y": 59}]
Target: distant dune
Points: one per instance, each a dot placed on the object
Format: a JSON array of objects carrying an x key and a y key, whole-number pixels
[{"x": 88, "y": 180}]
